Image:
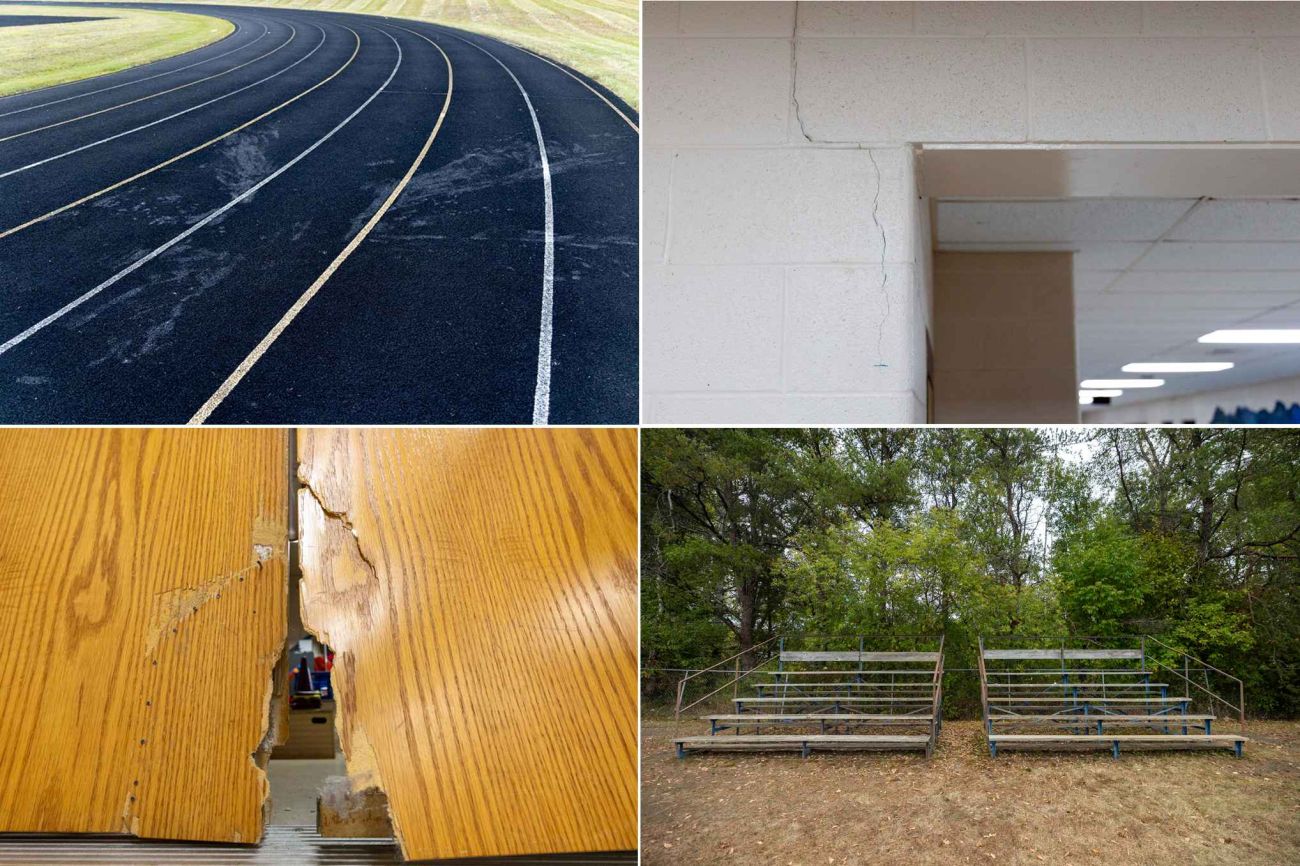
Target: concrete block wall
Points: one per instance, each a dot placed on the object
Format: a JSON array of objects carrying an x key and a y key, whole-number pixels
[{"x": 785, "y": 250}]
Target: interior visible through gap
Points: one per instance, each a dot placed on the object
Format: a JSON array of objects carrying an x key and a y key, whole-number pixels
[
  {"x": 310, "y": 753},
  {"x": 1145, "y": 250}
]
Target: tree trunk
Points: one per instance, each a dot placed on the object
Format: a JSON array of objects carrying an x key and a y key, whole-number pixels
[{"x": 748, "y": 615}]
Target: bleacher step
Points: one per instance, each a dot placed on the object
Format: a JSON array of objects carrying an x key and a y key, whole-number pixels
[
  {"x": 802, "y": 743},
  {"x": 816, "y": 717},
  {"x": 1065, "y": 699},
  {"x": 1116, "y": 741},
  {"x": 1100, "y": 717}
]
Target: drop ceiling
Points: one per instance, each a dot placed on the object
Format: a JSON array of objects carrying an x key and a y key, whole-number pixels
[{"x": 1154, "y": 274}]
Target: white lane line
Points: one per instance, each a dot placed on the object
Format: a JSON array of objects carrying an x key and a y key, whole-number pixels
[
  {"x": 193, "y": 150},
  {"x": 542, "y": 391},
  {"x": 265, "y": 32},
  {"x": 293, "y": 34},
  {"x": 599, "y": 95},
  {"x": 260, "y": 349},
  {"x": 22, "y": 168},
  {"x": 148, "y": 257}
]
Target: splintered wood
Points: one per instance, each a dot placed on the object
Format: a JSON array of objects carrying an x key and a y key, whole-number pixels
[
  {"x": 142, "y": 608},
  {"x": 479, "y": 589}
]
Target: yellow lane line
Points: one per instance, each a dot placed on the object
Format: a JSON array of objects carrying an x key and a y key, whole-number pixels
[
  {"x": 260, "y": 349},
  {"x": 121, "y": 183},
  {"x": 293, "y": 34}
]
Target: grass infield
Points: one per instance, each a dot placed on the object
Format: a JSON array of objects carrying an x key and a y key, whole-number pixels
[
  {"x": 599, "y": 38},
  {"x": 42, "y": 55}
]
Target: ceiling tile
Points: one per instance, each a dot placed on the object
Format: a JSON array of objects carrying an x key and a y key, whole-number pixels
[
  {"x": 1241, "y": 220},
  {"x": 1184, "y": 256},
  {"x": 1088, "y": 282},
  {"x": 1169, "y": 304},
  {"x": 1230, "y": 263},
  {"x": 1278, "y": 282},
  {"x": 1279, "y": 317}
]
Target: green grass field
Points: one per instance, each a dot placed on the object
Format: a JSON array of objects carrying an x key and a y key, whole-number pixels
[
  {"x": 40, "y": 55},
  {"x": 597, "y": 37}
]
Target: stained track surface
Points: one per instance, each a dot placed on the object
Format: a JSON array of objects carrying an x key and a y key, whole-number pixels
[{"x": 214, "y": 237}]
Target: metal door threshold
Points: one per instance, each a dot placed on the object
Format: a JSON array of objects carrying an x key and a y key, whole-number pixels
[{"x": 282, "y": 846}]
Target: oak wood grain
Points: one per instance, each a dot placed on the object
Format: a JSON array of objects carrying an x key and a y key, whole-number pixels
[
  {"x": 479, "y": 588},
  {"x": 142, "y": 608}
]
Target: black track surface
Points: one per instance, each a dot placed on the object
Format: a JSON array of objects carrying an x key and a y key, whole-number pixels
[{"x": 434, "y": 318}]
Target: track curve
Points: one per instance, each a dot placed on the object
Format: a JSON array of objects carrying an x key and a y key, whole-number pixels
[{"x": 321, "y": 218}]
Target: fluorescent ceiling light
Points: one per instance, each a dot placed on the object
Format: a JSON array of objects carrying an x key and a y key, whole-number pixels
[
  {"x": 1092, "y": 384},
  {"x": 1084, "y": 401},
  {"x": 1178, "y": 367},
  {"x": 1255, "y": 335},
  {"x": 1086, "y": 396}
]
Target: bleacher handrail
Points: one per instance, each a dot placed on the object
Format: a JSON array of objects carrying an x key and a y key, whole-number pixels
[
  {"x": 1240, "y": 707},
  {"x": 936, "y": 707},
  {"x": 984, "y": 682},
  {"x": 715, "y": 668}
]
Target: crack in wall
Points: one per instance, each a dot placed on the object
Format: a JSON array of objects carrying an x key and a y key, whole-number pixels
[
  {"x": 875, "y": 203},
  {"x": 884, "y": 264},
  {"x": 794, "y": 75}
]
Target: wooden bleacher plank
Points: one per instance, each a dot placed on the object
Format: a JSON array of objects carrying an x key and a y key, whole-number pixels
[
  {"x": 1058, "y": 654},
  {"x": 855, "y": 682},
  {"x": 831, "y": 688},
  {"x": 1122, "y": 737},
  {"x": 1064, "y": 700},
  {"x": 825, "y": 717},
  {"x": 832, "y": 699},
  {"x": 802, "y": 742},
  {"x": 854, "y": 656},
  {"x": 1004, "y": 739},
  {"x": 1041, "y": 672},
  {"x": 1101, "y": 717},
  {"x": 828, "y": 671},
  {"x": 1078, "y": 685}
]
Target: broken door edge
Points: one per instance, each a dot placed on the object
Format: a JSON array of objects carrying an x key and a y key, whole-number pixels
[{"x": 361, "y": 791}]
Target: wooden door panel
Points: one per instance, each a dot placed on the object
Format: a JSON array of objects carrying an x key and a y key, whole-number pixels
[
  {"x": 142, "y": 609},
  {"x": 479, "y": 589}
]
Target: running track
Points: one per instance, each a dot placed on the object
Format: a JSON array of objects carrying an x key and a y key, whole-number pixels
[{"x": 321, "y": 218}]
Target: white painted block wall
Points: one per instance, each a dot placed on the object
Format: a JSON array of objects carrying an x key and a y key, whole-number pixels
[{"x": 785, "y": 250}]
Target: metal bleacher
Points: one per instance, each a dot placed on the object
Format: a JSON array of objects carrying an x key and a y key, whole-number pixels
[
  {"x": 806, "y": 700},
  {"x": 1093, "y": 697}
]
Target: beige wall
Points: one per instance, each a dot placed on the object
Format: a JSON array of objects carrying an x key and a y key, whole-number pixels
[{"x": 1004, "y": 338}]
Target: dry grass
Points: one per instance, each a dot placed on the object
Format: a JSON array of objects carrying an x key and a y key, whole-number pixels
[
  {"x": 600, "y": 38},
  {"x": 963, "y": 807},
  {"x": 42, "y": 55}
]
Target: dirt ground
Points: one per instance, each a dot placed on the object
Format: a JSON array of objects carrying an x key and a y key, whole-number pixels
[{"x": 963, "y": 807}]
